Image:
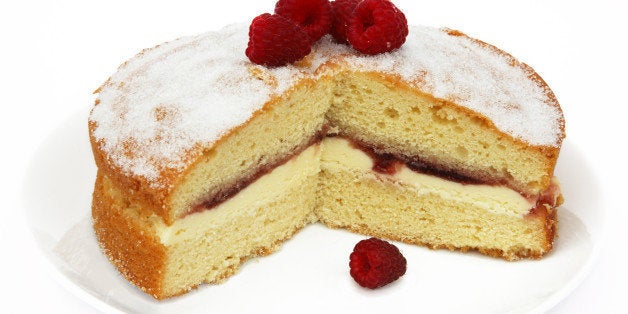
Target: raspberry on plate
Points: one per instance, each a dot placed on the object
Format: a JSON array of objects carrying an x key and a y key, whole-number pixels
[
  {"x": 342, "y": 11},
  {"x": 375, "y": 263},
  {"x": 276, "y": 41},
  {"x": 313, "y": 16},
  {"x": 377, "y": 26}
]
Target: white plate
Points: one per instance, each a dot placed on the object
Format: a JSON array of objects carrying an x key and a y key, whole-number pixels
[{"x": 310, "y": 272}]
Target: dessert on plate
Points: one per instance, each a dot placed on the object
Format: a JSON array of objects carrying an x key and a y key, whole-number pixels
[{"x": 207, "y": 158}]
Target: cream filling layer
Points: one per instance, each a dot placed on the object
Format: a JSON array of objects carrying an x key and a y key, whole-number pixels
[
  {"x": 339, "y": 154},
  {"x": 264, "y": 190},
  {"x": 335, "y": 153}
]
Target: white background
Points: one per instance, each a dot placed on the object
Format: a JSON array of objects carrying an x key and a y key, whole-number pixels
[{"x": 55, "y": 53}]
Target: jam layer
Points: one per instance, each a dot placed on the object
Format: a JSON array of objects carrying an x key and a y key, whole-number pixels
[
  {"x": 395, "y": 167},
  {"x": 215, "y": 198}
]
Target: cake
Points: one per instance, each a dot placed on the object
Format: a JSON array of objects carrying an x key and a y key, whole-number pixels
[{"x": 206, "y": 159}]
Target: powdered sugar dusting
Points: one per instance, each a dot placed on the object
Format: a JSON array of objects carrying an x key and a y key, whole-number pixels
[
  {"x": 163, "y": 106},
  {"x": 179, "y": 96},
  {"x": 457, "y": 69}
]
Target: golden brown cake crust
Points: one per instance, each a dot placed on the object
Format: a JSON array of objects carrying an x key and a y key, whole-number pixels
[{"x": 133, "y": 250}]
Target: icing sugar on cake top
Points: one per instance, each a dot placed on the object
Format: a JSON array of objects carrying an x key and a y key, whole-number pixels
[{"x": 163, "y": 106}]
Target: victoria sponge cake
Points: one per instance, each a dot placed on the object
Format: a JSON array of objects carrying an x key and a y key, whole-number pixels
[{"x": 206, "y": 159}]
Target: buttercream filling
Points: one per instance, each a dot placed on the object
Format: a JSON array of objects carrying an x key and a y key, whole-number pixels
[
  {"x": 351, "y": 155},
  {"x": 215, "y": 198},
  {"x": 342, "y": 154},
  {"x": 387, "y": 163},
  {"x": 264, "y": 190}
]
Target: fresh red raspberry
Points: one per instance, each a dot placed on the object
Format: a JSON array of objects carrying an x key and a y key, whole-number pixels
[
  {"x": 314, "y": 16},
  {"x": 342, "y": 11},
  {"x": 375, "y": 263},
  {"x": 377, "y": 26},
  {"x": 276, "y": 41}
]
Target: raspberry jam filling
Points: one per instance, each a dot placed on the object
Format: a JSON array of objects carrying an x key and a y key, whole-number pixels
[
  {"x": 383, "y": 163},
  {"x": 218, "y": 197},
  {"x": 386, "y": 163},
  {"x": 390, "y": 164}
]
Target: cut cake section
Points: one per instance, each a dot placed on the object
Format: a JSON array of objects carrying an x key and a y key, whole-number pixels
[
  {"x": 391, "y": 116},
  {"x": 414, "y": 207}
]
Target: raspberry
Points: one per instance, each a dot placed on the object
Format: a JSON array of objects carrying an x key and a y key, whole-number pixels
[
  {"x": 341, "y": 11},
  {"x": 276, "y": 41},
  {"x": 377, "y": 26},
  {"x": 375, "y": 263},
  {"x": 314, "y": 16}
]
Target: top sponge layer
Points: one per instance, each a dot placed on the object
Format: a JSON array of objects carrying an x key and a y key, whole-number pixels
[{"x": 164, "y": 106}]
